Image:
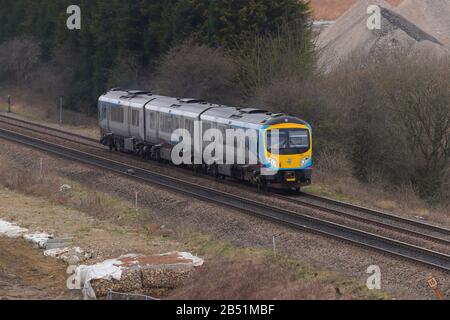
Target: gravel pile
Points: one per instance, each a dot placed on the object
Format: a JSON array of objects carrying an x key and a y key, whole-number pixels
[
  {"x": 433, "y": 16},
  {"x": 130, "y": 281},
  {"x": 350, "y": 35}
]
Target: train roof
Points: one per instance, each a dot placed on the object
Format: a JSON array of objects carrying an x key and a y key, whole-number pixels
[
  {"x": 193, "y": 107},
  {"x": 227, "y": 115}
]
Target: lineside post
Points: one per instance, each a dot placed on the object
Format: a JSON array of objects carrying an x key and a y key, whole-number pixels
[
  {"x": 136, "y": 201},
  {"x": 274, "y": 246},
  {"x": 432, "y": 282},
  {"x": 41, "y": 168},
  {"x": 61, "y": 100},
  {"x": 9, "y": 103}
]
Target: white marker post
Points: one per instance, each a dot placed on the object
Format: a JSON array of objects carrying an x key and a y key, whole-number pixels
[
  {"x": 274, "y": 247},
  {"x": 40, "y": 167},
  {"x": 136, "y": 202}
]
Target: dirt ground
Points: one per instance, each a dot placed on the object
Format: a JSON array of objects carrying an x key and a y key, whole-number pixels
[
  {"x": 109, "y": 237},
  {"x": 102, "y": 239},
  {"x": 26, "y": 274},
  {"x": 217, "y": 231}
]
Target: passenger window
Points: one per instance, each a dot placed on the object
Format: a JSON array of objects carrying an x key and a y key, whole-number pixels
[
  {"x": 175, "y": 123},
  {"x": 205, "y": 126},
  {"x": 189, "y": 126},
  {"x": 135, "y": 118},
  {"x": 166, "y": 123}
]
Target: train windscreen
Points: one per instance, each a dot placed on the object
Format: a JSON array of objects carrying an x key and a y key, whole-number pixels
[{"x": 288, "y": 141}]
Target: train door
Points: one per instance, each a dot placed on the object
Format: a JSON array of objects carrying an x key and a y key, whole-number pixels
[
  {"x": 152, "y": 127},
  {"x": 135, "y": 122},
  {"x": 189, "y": 125},
  {"x": 142, "y": 123},
  {"x": 128, "y": 119},
  {"x": 108, "y": 114}
]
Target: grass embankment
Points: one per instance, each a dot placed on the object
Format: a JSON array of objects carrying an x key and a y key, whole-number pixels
[{"x": 108, "y": 227}]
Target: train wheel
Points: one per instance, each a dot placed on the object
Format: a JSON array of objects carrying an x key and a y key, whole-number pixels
[
  {"x": 215, "y": 171},
  {"x": 261, "y": 184}
]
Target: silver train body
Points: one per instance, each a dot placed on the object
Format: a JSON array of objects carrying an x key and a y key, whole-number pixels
[{"x": 142, "y": 123}]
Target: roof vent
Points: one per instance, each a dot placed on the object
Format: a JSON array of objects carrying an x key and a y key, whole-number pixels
[
  {"x": 252, "y": 111},
  {"x": 189, "y": 100},
  {"x": 138, "y": 92}
]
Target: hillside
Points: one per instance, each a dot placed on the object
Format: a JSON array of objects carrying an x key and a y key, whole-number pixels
[
  {"x": 333, "y": 9},
  {"x": 350, "y": 35},
  {"x": 433, "y": 16}
]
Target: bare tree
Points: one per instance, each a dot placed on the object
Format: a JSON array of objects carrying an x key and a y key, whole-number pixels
[
  {"x": 421, "y": 101},
  {"x": 192, "y": 70},
  {"x": 19, "y": 57}
]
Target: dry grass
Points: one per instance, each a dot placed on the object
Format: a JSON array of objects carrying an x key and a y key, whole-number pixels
[
  {"x": 96, "y": 204},
  {"x": 333, "y": 178},
  {"x": 102, "y": 224},
  {"x": 248, "y": 278},
  {"x": 232, "y": 272},
  {"x": 47, "y": 112}
]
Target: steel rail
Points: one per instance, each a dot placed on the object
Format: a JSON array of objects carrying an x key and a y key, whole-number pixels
[
  {"x": 371, "y": 212},
  {"x": 293, "y": 219},
  {"x": 371, "y": 221},
  {"x": 41, "y": 126},
  {"x": 381, "y": 214}
]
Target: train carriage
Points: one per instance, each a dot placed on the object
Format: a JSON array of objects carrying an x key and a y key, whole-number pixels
[{"x": 143, "y": 123}]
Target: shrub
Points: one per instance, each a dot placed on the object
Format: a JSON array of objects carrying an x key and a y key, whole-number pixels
[{"x": 197, "y": 71}]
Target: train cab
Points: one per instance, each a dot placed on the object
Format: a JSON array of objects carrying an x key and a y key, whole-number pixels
[{"x": 286, "y": 152}]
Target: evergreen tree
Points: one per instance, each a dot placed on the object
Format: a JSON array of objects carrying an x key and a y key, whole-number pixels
[{"x": 114, "y": 31}]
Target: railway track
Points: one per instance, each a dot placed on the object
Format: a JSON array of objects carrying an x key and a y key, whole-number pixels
[
  {"x": 297, "y": 220},
  {"x": 381, "y": 214},
  {"x": 50, "y": 131},
  {"x": 372, "y": 217},
  {"x": 367, "y": 216}
]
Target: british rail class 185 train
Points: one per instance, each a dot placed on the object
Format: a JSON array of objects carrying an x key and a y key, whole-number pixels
[{"x": 143, "y": 123}]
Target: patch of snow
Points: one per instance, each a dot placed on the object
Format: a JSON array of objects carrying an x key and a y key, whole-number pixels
[
  {"x": 58, "y": 252},
  {"x": 108, "y": 270},
  {"x": 65, "y": 187},
  {"x": 70, "y": 255},
  {"x": 196, "y": 261},
  {"x": 11, "y": 230},
  {"x": 39, "y": 239}
]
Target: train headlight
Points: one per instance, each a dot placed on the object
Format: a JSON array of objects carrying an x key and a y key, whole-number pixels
[
  {"x": 304, "y": 161},
  {"x": 273, "y": 162}
]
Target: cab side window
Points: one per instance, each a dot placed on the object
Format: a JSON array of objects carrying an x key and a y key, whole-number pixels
[{"x": 117, "y": 114}]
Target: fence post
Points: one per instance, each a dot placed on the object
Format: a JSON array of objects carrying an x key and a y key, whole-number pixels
[
  {"x": 9, "y": 103},
  {"x": 41, "y": 166},
  {"x": 136, "y": 201},
  {"x": 274, "y": 247},
  {"x": 60, "y": 109}
]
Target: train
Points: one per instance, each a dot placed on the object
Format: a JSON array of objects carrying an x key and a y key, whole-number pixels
[{"x": 145, "y": 123}]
